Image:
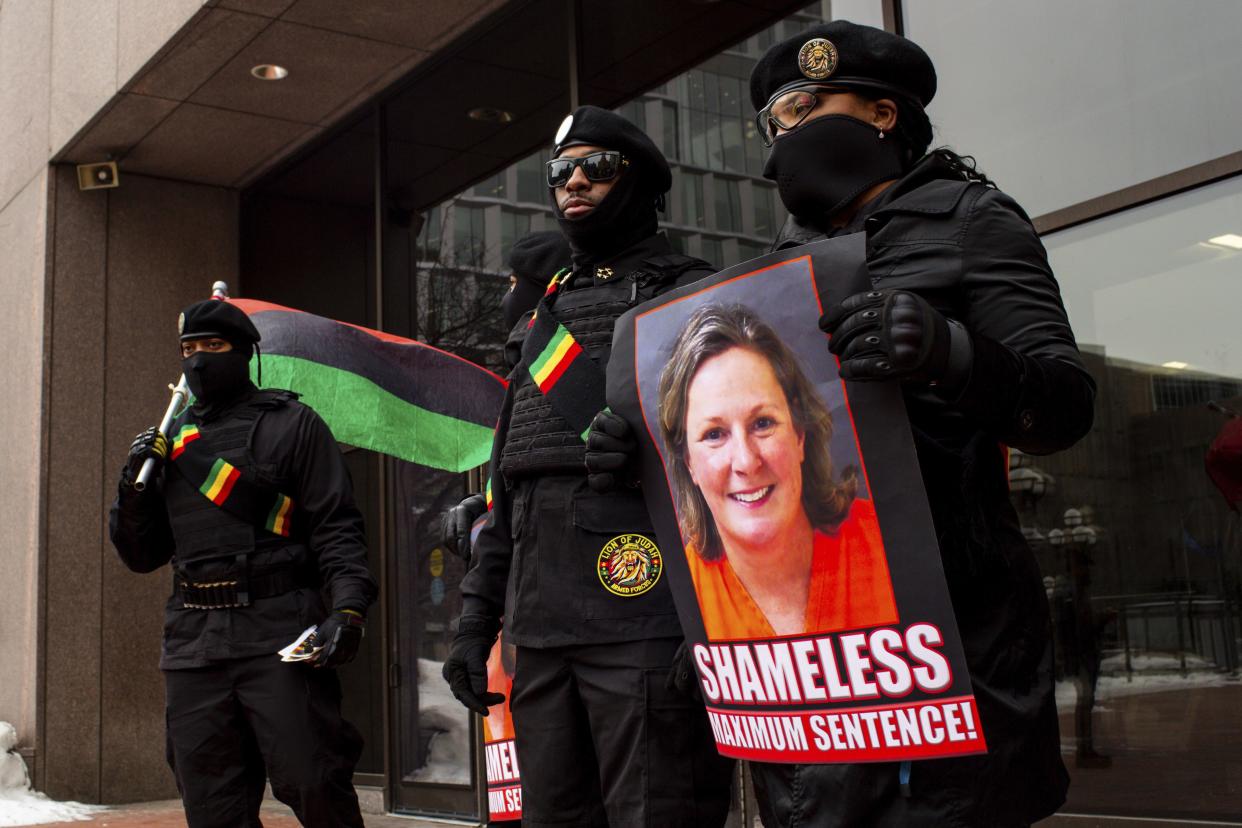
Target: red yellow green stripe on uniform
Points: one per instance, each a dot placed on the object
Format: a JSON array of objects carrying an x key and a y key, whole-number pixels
[
  {"x": 187, "y": 435},
  {"x": 552, "y": 363},
  {"x": 224, "y": 484},
  {"x": 220, "y": 481},
  {"x": 278, "y": 518}
]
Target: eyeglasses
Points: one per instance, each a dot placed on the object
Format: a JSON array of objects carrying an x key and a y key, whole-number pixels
[
  {"x": 598, "y": 166},
  {"x": 787, "y": 110}
]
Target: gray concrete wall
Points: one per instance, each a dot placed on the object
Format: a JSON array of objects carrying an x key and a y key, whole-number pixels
[
  {"x": 123, "y": 263},
  {"x": 61, "y": 61}
]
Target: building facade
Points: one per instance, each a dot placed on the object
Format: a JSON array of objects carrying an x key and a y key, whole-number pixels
[{"x": 383, "y": 181}]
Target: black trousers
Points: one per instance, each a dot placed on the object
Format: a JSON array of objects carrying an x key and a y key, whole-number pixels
[
  {"x": 235, "y": 723},
  {"x": 602, "y": 742}
]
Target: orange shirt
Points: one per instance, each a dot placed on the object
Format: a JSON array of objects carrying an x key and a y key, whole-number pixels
[{"x": 850, "y": 586}]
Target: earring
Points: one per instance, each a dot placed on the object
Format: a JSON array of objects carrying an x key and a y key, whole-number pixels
[{"x": 881, "y": 135}]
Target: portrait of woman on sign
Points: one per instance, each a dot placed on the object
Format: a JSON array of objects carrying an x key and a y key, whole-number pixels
[{"x": 778, "y": 543}]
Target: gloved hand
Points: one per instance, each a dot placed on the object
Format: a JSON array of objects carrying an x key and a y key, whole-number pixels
[
  {"x": 456, "y": 522},
  {"x": 895, "y": 334},
  {"x": 149, "y": 443},
  {"x": 339, "y": 635},
  {"x": 682, "y": 677},
  {"x": 465, "y": 670},
  {"x": 610, "y": 450}
]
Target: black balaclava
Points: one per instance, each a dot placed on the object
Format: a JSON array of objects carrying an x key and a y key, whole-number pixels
[
  {"x": 821, "y": 166},
  {"x": 218, "y": 379},
  {"x": 624, "y": 217}
]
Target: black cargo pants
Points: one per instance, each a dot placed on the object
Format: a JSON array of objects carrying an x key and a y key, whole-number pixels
[
  {"x": 603, "y": 742},
  {"x": 231, "y": 724}
]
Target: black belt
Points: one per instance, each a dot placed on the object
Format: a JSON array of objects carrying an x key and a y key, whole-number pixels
[{"x": 236, "y": 592}]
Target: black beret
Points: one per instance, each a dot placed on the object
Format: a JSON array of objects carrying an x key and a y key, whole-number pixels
[
  {"x": 601, "y": 128},
  {"x": 536, "y": 258},
  {"x": 213, "y": 317},
  {"x": 859, "y": 56}
]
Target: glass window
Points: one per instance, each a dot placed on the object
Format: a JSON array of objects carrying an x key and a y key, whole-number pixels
[
  {"x": 670, "y": 143},
  {"x": 713, "y": 251},
  {"x": 698, "y": 138},
  {"x": 731, "y": 138},
  {"x": 1141, "y": 557},
  {"x": 432, "y": 236},
  {"x": 532, "y": 180},
  {"x": 692, "y": 199},
  {"x": 492, "y": 187},
  {"x": 513, "y": 226},
  {"x": 728, "y": 205},
  {"x": 715, "y": 147},
  {"x": 711, "y": 93},
  {"x": 731, "y": 96},
  {"x": 1095, "y": 117},
  {"x": 765, "y": 211},
  {"x": 469, "y": 241}
]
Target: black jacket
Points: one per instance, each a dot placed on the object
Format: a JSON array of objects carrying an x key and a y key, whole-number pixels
[
  {"x": 972, "y": 252},
  {"x": 291, "y": 451},
  {"x": 536, "y": 558}
]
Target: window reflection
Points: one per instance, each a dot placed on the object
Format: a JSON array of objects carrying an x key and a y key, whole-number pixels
[{"x": 1139, "y": 550}]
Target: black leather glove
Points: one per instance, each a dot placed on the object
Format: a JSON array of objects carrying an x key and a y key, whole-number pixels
[
  {"x": 682, "y": 677},
  {"x": 610, "y": 451},
  {"x": 465, "y": 670},
  {"x": 895, "y": 334},
  {"x": 339, "y": 635},
  {"x": 149, "y": 443},
  {"x": 455, "y": 525}
]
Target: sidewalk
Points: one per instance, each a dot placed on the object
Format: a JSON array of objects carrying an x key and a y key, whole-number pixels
[{"x": 168, "y": 814}]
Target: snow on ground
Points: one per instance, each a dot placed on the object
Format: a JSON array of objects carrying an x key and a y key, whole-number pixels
[
  {"x": 21, "y": 806},
  {"x": 448, "y": 761},
  {"x": 1118, "y": 687}
]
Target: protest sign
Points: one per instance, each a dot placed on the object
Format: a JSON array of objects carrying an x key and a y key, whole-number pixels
[
  {"x": 792, "y": 520},
  {"x": 504, "y": 778}
]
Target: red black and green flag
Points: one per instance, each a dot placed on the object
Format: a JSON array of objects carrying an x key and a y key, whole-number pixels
[{"x": 378, "y": 391}]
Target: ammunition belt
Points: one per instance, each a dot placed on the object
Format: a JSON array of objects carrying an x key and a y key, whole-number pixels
[{"x": 237, "y": 592}]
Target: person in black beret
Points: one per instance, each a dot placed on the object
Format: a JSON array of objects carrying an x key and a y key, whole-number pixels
[
  {"x": 965, "y": 314},
  {"x": 252, "y": 506},
  {"x": 568, "y": 554}
]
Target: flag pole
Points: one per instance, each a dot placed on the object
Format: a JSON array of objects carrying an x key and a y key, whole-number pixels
[{"x": 180, "y": 393}]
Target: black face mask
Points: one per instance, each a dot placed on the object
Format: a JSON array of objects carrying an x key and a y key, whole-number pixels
[
  {"x": 626, "y": 216},
  {"x": 217, "y": 378},
  {"x": 523, "y": 297},
  {"x": 821, "y": 166}
]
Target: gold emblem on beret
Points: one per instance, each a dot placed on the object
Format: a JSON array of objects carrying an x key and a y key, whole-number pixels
[
  {"x": 817, "y": 58},
  {"x": 603, "y": 273},
  {"x": 180, "y": 324}
]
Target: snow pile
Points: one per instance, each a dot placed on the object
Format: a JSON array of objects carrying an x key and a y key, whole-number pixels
[
  {"x": 21, "y": 806},
  {"x": 446, "y": 725}
]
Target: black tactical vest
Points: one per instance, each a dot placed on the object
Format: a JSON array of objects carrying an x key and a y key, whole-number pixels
[
  {"x": 201, "y": 529},
  {"x": 539, "y": 441}
]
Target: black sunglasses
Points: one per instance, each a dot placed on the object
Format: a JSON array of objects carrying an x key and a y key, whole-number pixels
[{"x": 598, "y": 166}]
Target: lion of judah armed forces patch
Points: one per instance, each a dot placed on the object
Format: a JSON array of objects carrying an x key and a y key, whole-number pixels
[{"x": 630, "y": 565}]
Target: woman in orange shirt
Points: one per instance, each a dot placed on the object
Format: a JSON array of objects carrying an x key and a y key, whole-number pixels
[{"x": 776, "y": 545}]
